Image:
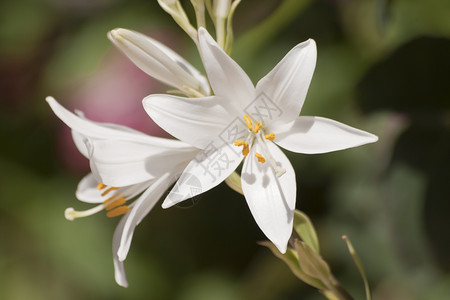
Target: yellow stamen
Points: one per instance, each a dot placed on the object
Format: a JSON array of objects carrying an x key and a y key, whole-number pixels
[
  {"x": 100, "y": 186},
  {"x": 117, "y": 211},
  {"x": 109, "y": 190},
  {"x": 257, "y": 127},
  {"x": 240, "y": 143},
  {"x": 115, "y": 203},
  {"x": 248, "y": 121},
  {"x": 260, "y": 158},
  {"x": 245, "y": 150},
  {"x": 270, "y": 136},
  {"x": 110, "y": 199}
]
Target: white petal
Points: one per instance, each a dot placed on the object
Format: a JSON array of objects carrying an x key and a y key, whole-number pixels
[
  {"x": 271, "y": 199},
  {"x": 119, "y": 268},
  {"x": 121, "y": 163},
  {"x": 312, "y": 135},
  {"x": 209, "y": 168},
  {"x": 227, "y": 78},
  {"x": 141, "y": 207},
  {"x": 288, "y": 82},
  {"x": 87, "y": 190},
  {"x": 80, "y": 142},
  {"x": 158, "y": 61},
  {"x": 193, "y": 120},
  {"x": 94, "y": 130}
]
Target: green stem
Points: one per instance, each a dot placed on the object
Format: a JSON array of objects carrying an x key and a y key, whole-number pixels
[
  {"x": 253, "y": 40},
  {"x": 220, "y": 32}
]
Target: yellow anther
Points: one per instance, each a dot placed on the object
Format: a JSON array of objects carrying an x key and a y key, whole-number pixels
[
  {"x": 240, "y": 143},
  {"x": 110, "y": 199},
  {"x": 117, "y": 211},
  {"x": 101, "y": 186},
  {"x": 248, "y": 121},
  {"x": 260, "y": 158},
  {"x": 257, "y": 127},
  {"x": 270, "y": 136},
  {"x": 115, "y": 203},
  {"x": 109, "y": 190},
  {"x": 245, "y": 150}
]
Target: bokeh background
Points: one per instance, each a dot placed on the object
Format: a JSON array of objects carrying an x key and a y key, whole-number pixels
[{"x": 383, "y": 66}]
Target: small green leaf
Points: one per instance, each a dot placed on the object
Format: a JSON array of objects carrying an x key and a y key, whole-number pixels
[
  {"x": 291, "y": 259},
  {"x": 329, "y": 295},
  {"x": 359, "y": 266},
  {"x": 312, "y": 263},
  {"x": 306, "y": 231}
]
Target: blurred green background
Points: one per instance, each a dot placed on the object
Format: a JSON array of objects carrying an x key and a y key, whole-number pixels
[{"x": 383, "y": 66}]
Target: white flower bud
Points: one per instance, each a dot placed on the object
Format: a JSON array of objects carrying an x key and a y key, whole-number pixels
[
  {"x": 221, "y": 8},
  {"x": 159, "y": 61}
]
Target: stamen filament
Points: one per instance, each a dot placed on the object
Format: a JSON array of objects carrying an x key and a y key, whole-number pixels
[
  {"x": 279, "y": 171},
  {"x": 117, "y": 211},
  {"x": 109, "y": 190},
  {"x": 248, "y": 121},
  {"x": 270, "y": 136},
  {"x": 260, "y": 158},
  {"x": 257, "y": 127}
]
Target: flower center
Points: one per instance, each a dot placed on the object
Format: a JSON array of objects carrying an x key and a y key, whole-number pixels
[
  {"x": 114, "y": 205},
  {"x": 257, "y": 133}
]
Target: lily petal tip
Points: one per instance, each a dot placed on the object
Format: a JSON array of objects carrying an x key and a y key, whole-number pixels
[
  {"x": 115, "y": 34},
  {"x": 281, "y": 247},
  {"x": 121, "y": 255},
  {"x": 165, "y": 205},
  {"x": 121, "y": 280},
  {"x": 308, "y": 43},
  {"x": 50, "y": 99},
  {"x": 373, "y": 138},
  {"x": 205, "y": 37}
]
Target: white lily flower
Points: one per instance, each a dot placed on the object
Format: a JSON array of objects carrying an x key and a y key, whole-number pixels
[
  {"x": 160, "y": 62},
  {"x": 242, "y": 121},
  {"x": 126, "y": 164}
]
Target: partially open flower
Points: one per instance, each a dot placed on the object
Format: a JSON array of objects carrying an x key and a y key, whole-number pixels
[{"x": 130, "y": 173}]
